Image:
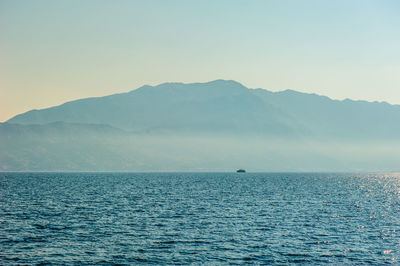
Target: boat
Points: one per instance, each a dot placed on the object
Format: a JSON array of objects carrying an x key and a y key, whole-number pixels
[{"x": 241, "y": 171}]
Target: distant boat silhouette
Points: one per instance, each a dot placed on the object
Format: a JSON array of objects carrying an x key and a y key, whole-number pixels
[{"x": 241, "y": 171}]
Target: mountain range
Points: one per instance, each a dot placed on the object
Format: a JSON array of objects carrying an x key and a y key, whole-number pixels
[{"x": 215, "y": 126}]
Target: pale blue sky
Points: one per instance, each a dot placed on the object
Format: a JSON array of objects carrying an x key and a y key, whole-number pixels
[{"x": 56, "y": 51}]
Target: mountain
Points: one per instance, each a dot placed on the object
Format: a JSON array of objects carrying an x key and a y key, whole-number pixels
[
  {"x": 214, "y": 107},
  {"x": 226, "y": 107},
  {"x": 214, "y": 126}
]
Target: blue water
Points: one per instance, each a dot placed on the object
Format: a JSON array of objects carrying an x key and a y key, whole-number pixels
[{"x": 211, "y": 218}]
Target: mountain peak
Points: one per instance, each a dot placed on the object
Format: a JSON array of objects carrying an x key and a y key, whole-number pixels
[
  {"x": 214, "y": 83},
  {"x": 216, "y": 87},
  {"x": 226, "y": 82}
]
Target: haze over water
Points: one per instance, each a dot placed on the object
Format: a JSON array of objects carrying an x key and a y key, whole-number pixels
[{"x": 182, "y": 218}]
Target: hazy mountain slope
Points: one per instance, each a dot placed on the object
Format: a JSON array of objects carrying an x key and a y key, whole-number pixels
[
  {"x": 58, "y": 146},
  {"x": 325, "y": 117},
  {"x": 227, "y": 107},
  {"x": 80, "y": 147}
]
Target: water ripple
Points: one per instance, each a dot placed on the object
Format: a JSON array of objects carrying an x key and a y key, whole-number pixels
[{"x": 207, "y": 218}]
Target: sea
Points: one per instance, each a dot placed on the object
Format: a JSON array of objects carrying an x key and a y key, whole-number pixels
[{"x": 199, "y": 218}]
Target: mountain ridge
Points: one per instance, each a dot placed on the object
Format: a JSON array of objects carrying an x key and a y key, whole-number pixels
[
  {"x": 226, "y": 107},
  {"x": 217, "y": 80}
]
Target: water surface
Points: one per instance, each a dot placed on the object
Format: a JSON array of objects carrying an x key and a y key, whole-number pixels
[{"x": 215, "y": 218}]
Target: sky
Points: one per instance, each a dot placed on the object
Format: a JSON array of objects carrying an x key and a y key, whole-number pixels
[{"x": 56, "y": 51}]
